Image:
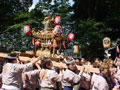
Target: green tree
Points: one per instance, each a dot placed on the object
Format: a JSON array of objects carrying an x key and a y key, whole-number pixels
[
  {"x": 90, "y": 36},
  {"x": 10, "y": 25},
  {"x": 8, "y": 10},
  {"x": 106, "y": 12}
]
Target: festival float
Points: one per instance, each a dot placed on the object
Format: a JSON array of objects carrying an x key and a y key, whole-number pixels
[{"x": 49, "y": 42}]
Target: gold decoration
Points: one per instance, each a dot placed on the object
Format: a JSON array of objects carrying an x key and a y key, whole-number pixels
[
  {"x": 106, "y": 42},
  {"x": 47, "y": 22},
  {"x": 76, "y": 49}
]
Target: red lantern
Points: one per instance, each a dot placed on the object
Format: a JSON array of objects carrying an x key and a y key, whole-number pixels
[
  {"x": 70, "y": 37},
  {"x": 57, "y": 20},
  {"x": 27, "y": 29},
  {"x": 37, "y": 43},
  {"x": 57, "y": 30}
]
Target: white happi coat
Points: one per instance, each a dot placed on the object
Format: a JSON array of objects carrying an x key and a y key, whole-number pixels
[
  {"x": 85, "y": 81},
  {"x": 33, "y": 76},
  {"x": 100, "y": 84},
  {"x": 12, "y": 74},
  {"x": 118, "y": 74},
  {"x": 48, "y": 78},
  {"x": 93, "y": 79},
  {"x": 70, "y": 78}
]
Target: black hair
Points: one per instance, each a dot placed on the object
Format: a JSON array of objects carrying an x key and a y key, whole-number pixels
[
  {"x": 101, "y": 69},
  {"x": 12, "y": 55},
  {"x": 57, "y": 69},
  {"x": 45, "y": 62}
]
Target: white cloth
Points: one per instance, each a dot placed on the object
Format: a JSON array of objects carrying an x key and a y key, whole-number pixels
[
  {"x": 33, "y": 76},
  {"x": 49, "y": 78},
  {"x": 100, "y": 84},
  {"x": 93, "y": 79},
  {"x": 118, "y": 74},
  {"x": 85, "y": 81},
  {"x": 10, "y": 87},
  {"x": 12, "y": 73},
  {"x": 70, "y": 78}
]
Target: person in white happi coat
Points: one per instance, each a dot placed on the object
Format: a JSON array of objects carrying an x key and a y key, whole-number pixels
[
  {"x": 48, "y": 76},
  {"x": 12, "y": 73},
  {"x": 30, "y": 79},
  {"x": 94, "y": 75},
  {"x": 70, "y": 76},
  {"x": 117, "y": 75},
  {"x": 101, "y": 80},
  {"x": 85, "y": 81}
]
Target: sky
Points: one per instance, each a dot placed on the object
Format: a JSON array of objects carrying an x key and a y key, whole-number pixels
[
  {"x": 36, "y": 1},
  {"x": 33, "y": 5}
]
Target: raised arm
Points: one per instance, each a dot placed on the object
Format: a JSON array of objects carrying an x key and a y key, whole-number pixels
[{"x": 26, "y": 67}]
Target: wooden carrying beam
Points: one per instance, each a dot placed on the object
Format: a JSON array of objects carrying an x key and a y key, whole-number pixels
[
  {"x": 3, "y": 55},
  {"x": 88, "y": 68}
]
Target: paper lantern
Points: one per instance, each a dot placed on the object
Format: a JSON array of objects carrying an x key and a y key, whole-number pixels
[
  {"x": 37, "y": 43},
  {"x": 57, "y": 20},
  {"x": 27, "y": 29},
  {"x": 76, "y": 49},
  {"x": 57, "y": 30},
  {"x": 70, "y": 37},
  {"x": 106, "y": 42}
]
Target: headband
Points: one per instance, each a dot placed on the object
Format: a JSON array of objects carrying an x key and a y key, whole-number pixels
[
  {"x": 69, "y": 62},
  {"x": 12, "y": 58}
]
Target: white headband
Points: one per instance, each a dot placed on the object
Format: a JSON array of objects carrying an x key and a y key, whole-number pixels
[
  {"x": 13, "y": 58},
  {"x": 69, "y": 62}
]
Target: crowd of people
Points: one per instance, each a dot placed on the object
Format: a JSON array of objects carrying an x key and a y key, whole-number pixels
[{"x": 40, "y": 74}]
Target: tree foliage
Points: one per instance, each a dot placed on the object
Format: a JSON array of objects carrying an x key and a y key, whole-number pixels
[{"x": 90, "y": 35}]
